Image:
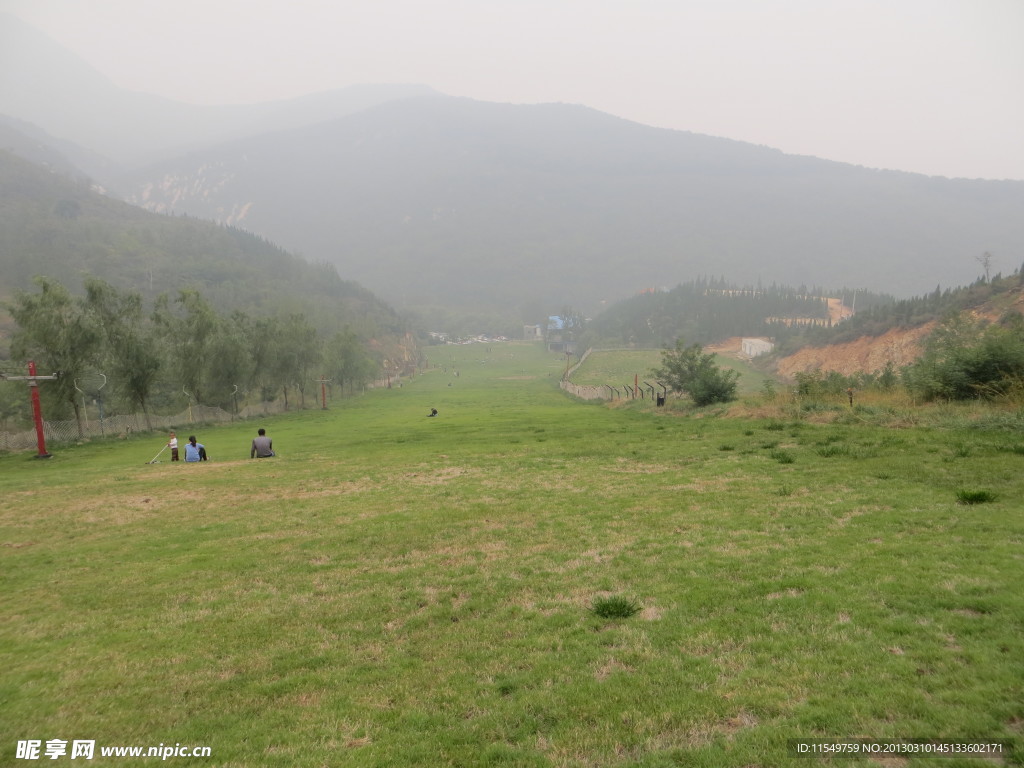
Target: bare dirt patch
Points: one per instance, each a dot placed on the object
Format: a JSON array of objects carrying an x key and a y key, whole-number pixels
[{"x": 867, "y": 354}]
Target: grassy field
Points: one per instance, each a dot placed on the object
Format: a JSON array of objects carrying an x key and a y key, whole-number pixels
[
  {"x": 397, "y": 590},
  {"x": 619, "y": 367}
]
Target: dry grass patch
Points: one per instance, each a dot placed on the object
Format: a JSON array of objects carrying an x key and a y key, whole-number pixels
[
  {"x": 784, "y": 593},
  {"x": 639, "y": 467},
  {"x": 436, "y": 476},
  {"x": 610, "y": 667},
  {"x": 703, "y": 484},
  {"x": 327, "y": 490}
]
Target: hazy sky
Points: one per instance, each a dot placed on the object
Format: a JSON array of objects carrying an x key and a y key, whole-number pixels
[{"x": 930, "y": 86}]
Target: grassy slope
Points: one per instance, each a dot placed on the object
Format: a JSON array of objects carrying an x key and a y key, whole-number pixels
[
  {"x": 400, "y": 590},
  {"x": 619, "y": 367}
]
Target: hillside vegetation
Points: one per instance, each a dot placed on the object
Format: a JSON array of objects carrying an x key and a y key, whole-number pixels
[
  {"x": 173, "y": 302},
  {"x": 60, "y": 228},
  {"x": 451, "y": 202}
]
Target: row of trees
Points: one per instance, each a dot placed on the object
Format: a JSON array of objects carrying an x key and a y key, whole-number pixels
[
  {"x": 181, "y": 348},
  {"x": 878, "y": 314},
  {"x": 706, "y": 310}
]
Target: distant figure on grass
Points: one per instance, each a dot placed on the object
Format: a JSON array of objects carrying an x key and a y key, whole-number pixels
[
  {"x": 173, "y": 445},
  {"x": 433, "y": 412},
  {"x": 262, "y": 446},
  {"x": 194, "y": 451}
]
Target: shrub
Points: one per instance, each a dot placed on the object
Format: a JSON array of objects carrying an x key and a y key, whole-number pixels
[
  {"x": 965, "y": 358},
  {"x": 974, "y": 497},
  {"x": 783, "y": 457},
  {"x": 831, "y": 450},
  {"x": 615, "y": 607},
  {"x": 691, "y": 370}
]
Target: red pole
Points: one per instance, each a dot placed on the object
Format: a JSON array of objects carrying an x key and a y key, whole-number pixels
[{"x": 37, "y": 412}]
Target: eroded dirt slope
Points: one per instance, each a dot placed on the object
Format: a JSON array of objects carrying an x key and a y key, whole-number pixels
[
  {"x": 867, "y": 354},
  {"x": 870, "y": 354}
]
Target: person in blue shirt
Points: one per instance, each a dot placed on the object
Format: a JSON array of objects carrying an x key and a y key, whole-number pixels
[{"x": 194, "y": 451}]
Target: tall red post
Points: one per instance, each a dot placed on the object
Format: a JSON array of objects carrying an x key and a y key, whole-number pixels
[{"x": 37, "y": 411}]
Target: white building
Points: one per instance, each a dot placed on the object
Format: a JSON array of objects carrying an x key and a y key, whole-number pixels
[{"x": 755, "y": 347}]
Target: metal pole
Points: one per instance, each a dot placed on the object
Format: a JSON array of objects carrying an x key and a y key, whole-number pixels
[
  {"x": 99, "y": 398},
  {"x": 37, "y": 411}
]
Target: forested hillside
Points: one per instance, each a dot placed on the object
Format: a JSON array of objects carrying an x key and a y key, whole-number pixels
[
  {"x": 58, "y": 227},
  {"x": 456, "y": 203},
  {"x": 879, "y": 317},
  {"x": 93, "y": 286},
  {"x": 706, "y": 310}
]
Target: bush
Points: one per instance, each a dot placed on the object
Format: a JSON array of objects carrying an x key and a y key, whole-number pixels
[
  {"x": 615, "y": 607},
  {"x": 691, "y": 370},
  {"x": 965, "y": 358},
  {"x": 975, "y": 497}
]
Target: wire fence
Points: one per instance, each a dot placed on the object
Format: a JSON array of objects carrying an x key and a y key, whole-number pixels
[
  {"x": 124, "y": 426},
  {"x": 607, "y": 391}
]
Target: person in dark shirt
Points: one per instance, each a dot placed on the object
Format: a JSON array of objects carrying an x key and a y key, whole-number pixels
[{"x": 262, "y": 446}]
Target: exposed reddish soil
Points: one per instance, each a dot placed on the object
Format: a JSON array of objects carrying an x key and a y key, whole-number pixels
[{"x": 869, "y": 354}]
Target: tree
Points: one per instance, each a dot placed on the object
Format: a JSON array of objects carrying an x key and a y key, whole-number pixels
[
  {"x": 302, "y": 354},
  {"x": 349, "y": 362},
  {"x": 965, "y": 358},
  {"x": 986, "y": 263},
  {"x": 692, "y": 371},
  {"x": 190, "y": 338},
  {"x": 57, "y": 332},
  {"x": 129, "y": 353},
  {"x": 14, "y": 404},
  {"x": 231, "y": 359}
]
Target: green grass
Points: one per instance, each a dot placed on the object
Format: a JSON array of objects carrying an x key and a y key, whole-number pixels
[
  {"x": 965, "y": 496},
  {"x": 620, "y": 367},
  {"x": 396, "y": 590},
  {"x": 615, "y": 607},
  {"x": 617, "y": 367}
]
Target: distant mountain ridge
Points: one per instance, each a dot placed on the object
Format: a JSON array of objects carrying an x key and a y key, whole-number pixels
[
  {"x": 454, "y": 201},
  {"x": 43, "y": 83},
  {"x": 454, "y": 205}
]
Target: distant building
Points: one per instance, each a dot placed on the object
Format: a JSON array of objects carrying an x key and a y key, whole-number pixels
[
  {"x": 559, "y": 337},
  {"x": 756, "y": 347},
  {"x": 533, "y": 333}
]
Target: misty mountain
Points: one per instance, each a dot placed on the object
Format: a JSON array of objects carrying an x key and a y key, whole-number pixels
[
  {"x": 57, "y": 226},
  {"x": 65, "y": 157},
  {"x": 496, "y": 209},
  {"x": 44, "y": 84},
  {"x": 454, "y": 202}
]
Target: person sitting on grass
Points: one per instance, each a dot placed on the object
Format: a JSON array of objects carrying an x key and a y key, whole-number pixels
[
  {"x": 194, "y": 451},
  {"x": 262, "y": 446}
]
